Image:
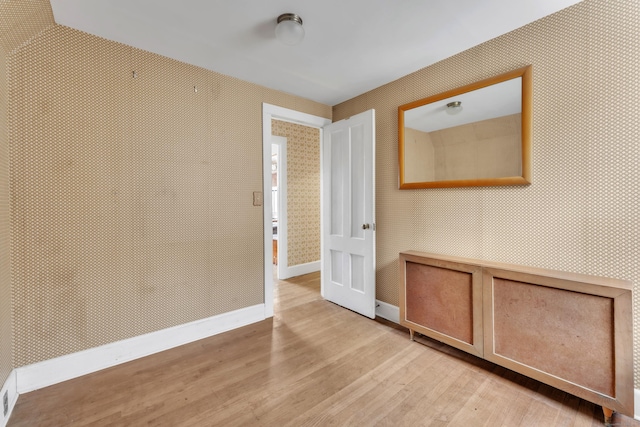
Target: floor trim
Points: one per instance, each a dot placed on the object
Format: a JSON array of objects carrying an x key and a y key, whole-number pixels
[
  {"x": 10, "y": 386},
  {"x": 300, "y": 269},
  {"x": 388, "y": 311},
  {"x": 53, "y": 371}
]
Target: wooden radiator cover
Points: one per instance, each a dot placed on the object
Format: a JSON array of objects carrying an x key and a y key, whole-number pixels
[
  {"x": 446, "y": 302},
  {"x": 570, "y": 331}
]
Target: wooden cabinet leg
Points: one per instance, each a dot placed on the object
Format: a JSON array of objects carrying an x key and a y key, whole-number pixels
[
  {"x": 608, "y": 416},
  {"x": 411, "y": 334}
]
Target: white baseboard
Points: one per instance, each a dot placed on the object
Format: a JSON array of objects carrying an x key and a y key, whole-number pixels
[
  {"x": 10, "y": 386},
  {"x": 636, "y": 404},
  {"x": 53, "y": 371},
  {"x": 387, "y": 311},
  {"x": 300, "y": 269}
]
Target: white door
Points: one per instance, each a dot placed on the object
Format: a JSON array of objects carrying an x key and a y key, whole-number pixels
[{"x": 348, "y": 213}]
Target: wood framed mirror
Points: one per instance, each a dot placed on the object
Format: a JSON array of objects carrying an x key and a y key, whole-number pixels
[{"x": 472, "y": 136}]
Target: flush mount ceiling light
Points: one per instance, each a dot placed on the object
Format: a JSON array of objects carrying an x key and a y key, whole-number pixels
[
  {"x": 454, "y": 107},
  {"x": 289, "y": 29}
]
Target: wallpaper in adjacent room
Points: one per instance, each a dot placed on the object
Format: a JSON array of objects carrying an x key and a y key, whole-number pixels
[
  {"x": 131, "y": 192},
  {"x": 580, "y": 214},
  {"x": 303, "y": 191}
]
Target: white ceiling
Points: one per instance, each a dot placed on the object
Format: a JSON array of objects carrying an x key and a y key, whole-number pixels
[
  {"x": 498, "y": 100},
  {"x": 350, "y": 46}
]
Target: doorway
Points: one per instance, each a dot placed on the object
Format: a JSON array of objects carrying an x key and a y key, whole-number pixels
[
  {"x": 270, "y": 112},
  {"x": 274, "y": 200}
]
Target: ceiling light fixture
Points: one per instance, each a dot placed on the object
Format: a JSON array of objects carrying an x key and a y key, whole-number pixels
[
  {"x": 289, "y": 29},
  {"x": 454, "y": 107}
]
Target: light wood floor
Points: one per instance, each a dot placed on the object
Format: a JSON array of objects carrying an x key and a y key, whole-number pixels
[{"x": 313, "y": 364}]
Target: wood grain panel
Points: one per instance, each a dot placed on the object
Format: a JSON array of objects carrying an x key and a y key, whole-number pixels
[
  {"x": 568, "y": 330},
  {"x": 564, "y": 333},
  {"x": 440, "y": 299}
]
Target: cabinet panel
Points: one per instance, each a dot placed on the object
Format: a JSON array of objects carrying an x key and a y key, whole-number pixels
[
  {"x": 574, "y": 335},
  {"x": 443, "y": 300}
]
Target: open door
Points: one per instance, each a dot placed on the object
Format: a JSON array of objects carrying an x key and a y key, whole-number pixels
[
  {"x": 348, "y": 213},
  {"x": 270, "y": 112}
]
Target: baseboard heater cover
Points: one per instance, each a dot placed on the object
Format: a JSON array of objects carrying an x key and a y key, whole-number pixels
[{"x": 567, "y": 330}]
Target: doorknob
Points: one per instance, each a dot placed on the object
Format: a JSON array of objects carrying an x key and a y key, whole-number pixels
[{"x": 365, "y": 226}]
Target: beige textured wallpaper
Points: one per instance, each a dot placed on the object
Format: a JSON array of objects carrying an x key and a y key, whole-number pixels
[
  {"x": 6, "y": 341},
  {"x": 419, "y": 156},
  {"x": 19, "y": 21},
  {"x": 131, "y": 192},
  {"x": 581, "y": 212},
  {"x": 303, "y": 191},
  {"x": 487, "y": 149}
]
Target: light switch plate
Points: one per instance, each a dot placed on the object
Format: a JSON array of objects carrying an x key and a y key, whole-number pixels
[{"x": 257, "y": 198}]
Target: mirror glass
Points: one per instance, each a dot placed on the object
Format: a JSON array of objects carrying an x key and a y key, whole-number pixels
[{"x": 477, "y": 135}]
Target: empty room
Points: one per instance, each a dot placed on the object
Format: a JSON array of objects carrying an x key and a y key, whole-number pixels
[{"x": 319, "y": 213}]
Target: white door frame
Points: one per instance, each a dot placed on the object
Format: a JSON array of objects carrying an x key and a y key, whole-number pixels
[{"x": 274, "y": 112}]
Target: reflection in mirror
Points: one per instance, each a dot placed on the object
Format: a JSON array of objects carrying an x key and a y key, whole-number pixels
[{"x": 471, "y": 136}]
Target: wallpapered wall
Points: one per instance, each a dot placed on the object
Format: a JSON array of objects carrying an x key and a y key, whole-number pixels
[
  {"x": 581, "y": 212},
  {"x": 487, "y": 149},
  {"x": 19, "y": 21},
  {"x": 131, "y": 195},
  {"x": 5, "y": 268},
  {"x": 303, "y": 191}
]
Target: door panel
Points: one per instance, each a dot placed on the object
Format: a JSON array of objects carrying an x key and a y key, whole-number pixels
[
  {"x": 357, "y": 267},
  {"x": 348, "y": 204},
  {"x": 338, "y": 164}
]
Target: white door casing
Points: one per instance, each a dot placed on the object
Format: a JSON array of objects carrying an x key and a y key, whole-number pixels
[
  {"x": 269, "y": 112},
  {"x": 348, "y": 213}
]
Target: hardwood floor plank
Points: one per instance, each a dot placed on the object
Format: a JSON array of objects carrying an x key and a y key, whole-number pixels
[
  {"x": 382, "y": 399},
  {"x": 432, "y": 380},
  {"x": 389, "y": 377},
  {"x": 319, "y": 383},
  {"x": 540, "y": 413},
  {"x": 484, "y": 407}
]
